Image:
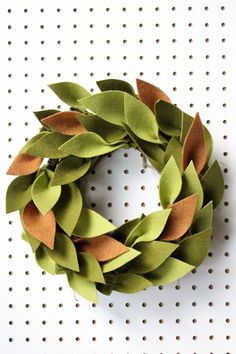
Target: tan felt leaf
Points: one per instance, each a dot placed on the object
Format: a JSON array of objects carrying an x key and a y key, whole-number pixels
[
  {"x": 180, "y": 218},
  {"x": 149, "y": 93},
  {"x": 103, "y": 247},
  {"x": 42, "y": 227},
  {"x": 194, "y": 147},
  {"x": 65, "y": 123},
  {"x": 24, "y": 164}
]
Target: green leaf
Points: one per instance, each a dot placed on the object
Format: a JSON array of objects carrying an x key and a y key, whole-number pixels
[
  {"x": 108, "y": 105},
  {"x": 91, "y": 224},
  {"x": 121, "y": 232},
  {"x": 45, "y": 261},
  {"x": 90, "y": 145},
  {"x": 18, "y": 193},
  {"x": 117, "y": 85},
  {"x": 170, "y": 183},
  {"x": 69, "y": 170},
  {"x": 68, "y": 208},
  {"x": 191, "y": 185},
  {"x": 203, "y": 219},
  {"x": 34, "y": 243},
  {"x": 149, "y": 228},
  {"x": 213, "y": 184},
  {"x": 171, "y": 270},
  {"x": 32, "y": 141},
  {"x": 153, "y": 254},
  {"x": 109, "y": 132},
  {"x": 140, "y": 119},
  {"x": 64, "y": 252},
  {"x": 174, "y": 148},
  {"x": 45, "y": 113},
  {"x": 130, "y": 283},
  {"x": 48, "y": 146},
  {"x": 82, "y": 286},
  {"x": 194, "y": 248},
  {"x": 90, "y": 268},
  {"x": 69, "y": 92},
  {"x": 43, "y": 194},
  {"x": 119, "y": 261}
]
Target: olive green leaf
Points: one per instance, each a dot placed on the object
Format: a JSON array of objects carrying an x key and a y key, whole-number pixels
[
  {"x": 140, "y": 119},
  {"x": 91, "y": 224},
  {"x": 34, "y": 242},
  {"x": 194, "y": 248},
  {"x": 129, "y": 283},
  {"x": 108, "y": 105},
  {"x": 169, "y": 271},
  {"x": 45, "y": 113},
  {"x": 213, "y": 184},
  {"x": 44, "y": 260},
  {"x": 191, "y": 185},
  {"x": 121, "y": 232},
  {"x": 82, "y": 286},
  {"x": 68, "y": 208},
  {"x": 117, "y": 85},
  {"x": 69, "y": 170},
  {"x": 203, "y": 219},
  {"x": 64, "y": 252},
  {"x": 174, "y": 148},
  {"x": 170, "y": 183},
  {"x": 18, "y": 193},
  {"x": 120, "y": 260},
  {"x": 108, "y": 131},
  {"x": 48, "y": 146},
  {"x": 32, "y": 141},
  {"x": 69, "y": 92},
  {"x": 153, "y": 254},
  {"x": 43, "y": 194},
  {"x": 149, "y": 228},
  {"x": 89, "y": 145},
  {"x": 90, "y": 268}
]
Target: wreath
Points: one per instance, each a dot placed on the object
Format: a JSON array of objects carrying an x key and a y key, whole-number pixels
[{"x": 66, "y": 237}]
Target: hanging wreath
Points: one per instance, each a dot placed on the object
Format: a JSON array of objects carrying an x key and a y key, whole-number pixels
[{"x": 153, "y": 249}]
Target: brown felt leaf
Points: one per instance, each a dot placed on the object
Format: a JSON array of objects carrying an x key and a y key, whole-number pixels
[
  {"x": 24, "y": 164},
  {"x": 65, "y": 123},
  {"x": 180, "y": 218},
  {"x": 42, "y": 227},
  {"x": 103, "y": 247},
  {"x": 149, "y": 93},
  {"x": 194, "y": 147}
]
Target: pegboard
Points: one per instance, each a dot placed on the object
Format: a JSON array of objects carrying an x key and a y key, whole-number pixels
[{"x": 186, "y": 48}]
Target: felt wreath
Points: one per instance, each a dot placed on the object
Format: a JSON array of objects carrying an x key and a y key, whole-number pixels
[{"x": 153, "y": 249}]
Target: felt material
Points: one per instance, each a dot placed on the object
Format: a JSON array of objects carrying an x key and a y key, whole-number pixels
[
  {"x": 153, "y": 254},
  {"x": 32, "y": 141},
  {"x": 130, "y": 283},
  {"x": 69, "y": 92},
  {"x": 150, "y": 94},
  {"x": 120, "y": 260},
  {"x": 170, "y": 183},
  {"x": 194, "y": 248},
  {"x": 19, "y": 193},
  {"x": 174, "y": 148},
  {"x": 120, "y": 233},
  {"x": 90, "y": 268},
  {"x": 117, "y": 85},
  {"x": 191, "y": 185},
  {"x": 171, "y": 270},
  {"x": 82, "y": 286},
  {"x": 91, "y": 224},
  {"x": 64, "y": 123},
  {"x": 45, "y": 261},
  {"x": 213, "y": 184},
  {"x": 140, "y": 119},
  {"x": 34, "y": 243},
  {"x": 108, "y": 131},
  {"x": 90, "y": 145},
  {"x": 194, "y": 148},
  {"x": 68, "y": 208},
  {"x": 180, "y": 218},
  {"x": 24, "y": 164},
  {"x": 69, "y": 170},
  {"x": 103, "y": 247},
  {"x": 48, "y": 146},
  {"x": 42, "y": 227},
  {"x": 149, "y": 228},
  {"x": 43, "y": 194},
  {"x": 64, "y": 252},
  {"x": 45, "y": 113},
  {"x": 108, "y": 105},
  {"x": 203, "y": 219}
]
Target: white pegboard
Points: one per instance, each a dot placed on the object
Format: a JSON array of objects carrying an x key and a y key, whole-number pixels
[{"x": 186, "y": 48}]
